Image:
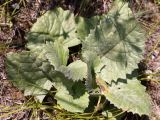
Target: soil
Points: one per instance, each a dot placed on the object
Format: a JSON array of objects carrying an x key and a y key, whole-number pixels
[
  {"x": 22, "y": 16},
  {"x": 152, "y": 60}
]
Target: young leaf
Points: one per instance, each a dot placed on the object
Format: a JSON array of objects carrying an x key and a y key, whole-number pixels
[
  {"x": 56, "y": 53},
  {"x": 29, "y": 74},
  {"x": 94, "y": 65},
  {"x": 76, "y": 70}
]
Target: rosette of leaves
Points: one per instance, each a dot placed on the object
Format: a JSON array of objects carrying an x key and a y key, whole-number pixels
[{"x": 112, "y": 45}]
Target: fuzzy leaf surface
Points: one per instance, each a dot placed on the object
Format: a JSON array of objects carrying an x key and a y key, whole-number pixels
[
  {"x": 56, "y": 53},
  {"x": 75, "y": 71},
  {"x": 70, "y": 95},
  {"x": 84, "y": 25},
  {"x": 119, "y": 41},
  {"x": 54, "y": 24},
  {"x": 29, "y": 74},
  {"x": 129, "y": 95},
  {"x": 94, "y": 65}
]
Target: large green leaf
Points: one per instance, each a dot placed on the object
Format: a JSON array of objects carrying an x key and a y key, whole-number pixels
[
  {"x": 54, "y": 24},
  {"x": 116, "y": 46},
  {"x": 29, "y": 73},
  {"x": 119, "y": 41},
  {"x": 70, "y": 95},
  {"x": 129, "y": 95},
  {"x": 60, "y": 24}
]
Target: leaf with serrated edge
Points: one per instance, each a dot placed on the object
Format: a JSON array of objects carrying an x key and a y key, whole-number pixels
[
  {"x": 77, "y": 70},
  {"x": 129, "y": 95},
  {"x": 54, "y": 24},
  {"x": 94, "y": 65},
  {"x": 29, "y": 74},
  {"x": 70, "y": 95},
  {"x": 60, "y": 24},
  {"x": 119, "y": 41},
  {"x": 56, "y": 53}
]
